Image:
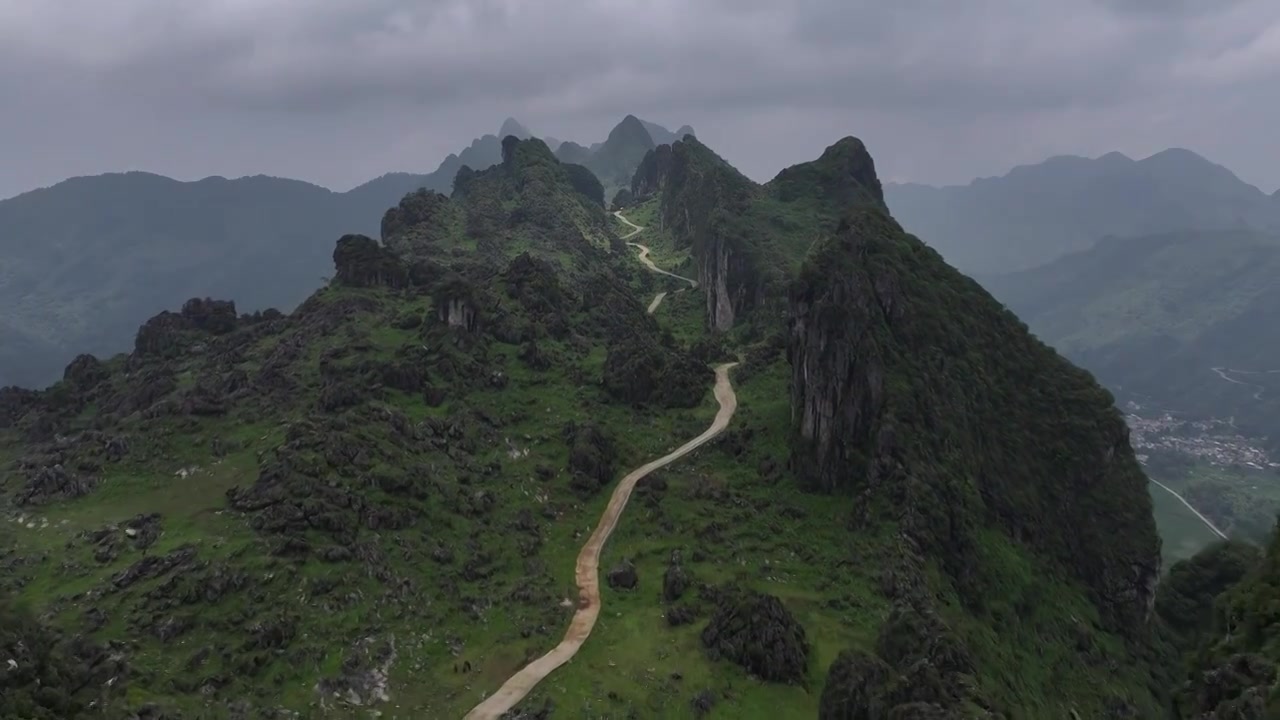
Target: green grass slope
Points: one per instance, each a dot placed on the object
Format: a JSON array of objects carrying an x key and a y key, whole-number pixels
[{"x": 373, "y": 504}]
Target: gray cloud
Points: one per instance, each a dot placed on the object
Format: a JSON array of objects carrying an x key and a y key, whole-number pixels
[{"x": 336, "y": 91}]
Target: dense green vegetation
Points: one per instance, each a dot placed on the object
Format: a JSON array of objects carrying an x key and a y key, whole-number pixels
[
  {"x": 375, "y": 502},
  {"x": 1219, "y": 607}
]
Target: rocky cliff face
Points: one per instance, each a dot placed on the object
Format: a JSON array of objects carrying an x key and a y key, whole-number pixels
[
  {"x": 652, "y": 174},
  {"x": 707, "y": 207},
  {"x": 918, "y": 393},
  {"x": 748, "y": 238}
]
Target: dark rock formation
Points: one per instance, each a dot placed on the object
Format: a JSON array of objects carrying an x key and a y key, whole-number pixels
[
  {"x": 919, "y": 670},
  {"x": 592, "y": 457},
  {"x": 160, "y": 336},
  {"x": 756, "y": 631},
  {"x": 46, "y": 676},
  {"x": 216, "y": 317},
  {"x": 14, "y": 403},
  {"x": 418, "y": 223},
  {"x": 586, "y": 183},
  {"x": 84, "y": 372},
  {"x": 651, "y": 176},
  {"x": 53, "y": 482},
  {"x": 902, "y": 371},
  {"x": 361, "y": 262},
  {"x": 856, "y": 688},
  {"x": 703, "y": 702},
  {"x": 623, "y": 576},
  {"x": 675, "y": 580},
  {"x": 152, "y": 566}
]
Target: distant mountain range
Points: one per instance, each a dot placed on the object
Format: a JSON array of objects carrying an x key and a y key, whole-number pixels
[
  {"x": 1037, "y": 213},
  {"x": 84, "y": 262},
  {"x": 1154, "y": 316}
]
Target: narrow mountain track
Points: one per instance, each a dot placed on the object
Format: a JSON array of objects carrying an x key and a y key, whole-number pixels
[
  {"x": 587, "y": 570},
  {"x": 635, "y": 229},
  {"x": 643, "y": 257},
  {"x": 1192, "y": 508},
  {"x": 588, "y": 565}
]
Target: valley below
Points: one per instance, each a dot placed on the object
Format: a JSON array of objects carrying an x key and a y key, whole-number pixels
[{"x": 1227, "y": 476}]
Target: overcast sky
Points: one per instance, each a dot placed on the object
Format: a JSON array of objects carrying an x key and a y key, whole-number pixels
[{"x": 339, "y": 91}]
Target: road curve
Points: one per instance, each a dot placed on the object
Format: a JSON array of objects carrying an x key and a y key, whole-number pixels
[
  {"x": 1190, "y": 507},
  {"x": 634, "y": 227},
  {"x": 644, "y": 258},
  {"x": 588, "y": 566}
]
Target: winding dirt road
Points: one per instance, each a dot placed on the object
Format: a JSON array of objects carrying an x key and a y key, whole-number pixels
[
  {"x": 643, "y": 257},
  {"x": 588, "y": 566},
  {"x": 1190, "y": 507},
  {"x": 635, "y": 229}
]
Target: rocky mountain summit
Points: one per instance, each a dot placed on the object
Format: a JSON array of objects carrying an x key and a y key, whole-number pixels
[{"x": 372, "y": 503}]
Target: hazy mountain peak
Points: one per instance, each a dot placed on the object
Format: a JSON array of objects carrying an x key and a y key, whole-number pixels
[
  {"x": 511, "y": 126},
  {"x": 631, "y": 128},
  {"x": 1180, "y": 154},
  {"x": 1038, "y": 212},
  {"x": 1115, "y": 157}
]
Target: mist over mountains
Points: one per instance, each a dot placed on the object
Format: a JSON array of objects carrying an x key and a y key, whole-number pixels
[
  {"x": 83, "y": 262},
  {"x": 1037, "y": 213}
]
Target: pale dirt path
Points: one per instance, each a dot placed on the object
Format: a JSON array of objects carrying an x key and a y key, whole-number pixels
[
  {"x": 644, "y": 258},
  {"x": 1183, "y": 500},
  {"x": 635, "y": 229},
  {"x": 588, "y": 567}
]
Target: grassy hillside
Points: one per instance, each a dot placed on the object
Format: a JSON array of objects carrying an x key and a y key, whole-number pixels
[{"x": 374, "y": 503}]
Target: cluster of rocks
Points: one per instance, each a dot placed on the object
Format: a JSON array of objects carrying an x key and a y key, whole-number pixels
[
  {"x": 919, "y": 669},
  {"x": 756, "y": 631},
  {"x": 139, "y": 532}
]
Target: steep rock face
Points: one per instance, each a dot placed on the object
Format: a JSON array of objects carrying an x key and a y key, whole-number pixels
[
  {"x": 724, "y": 273},
  {"x": 706, "y": 205},
  {"x": 652, "y": 174},
  {"x": 904, "y": 375},
  {"x": 748, "y": 239}
]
